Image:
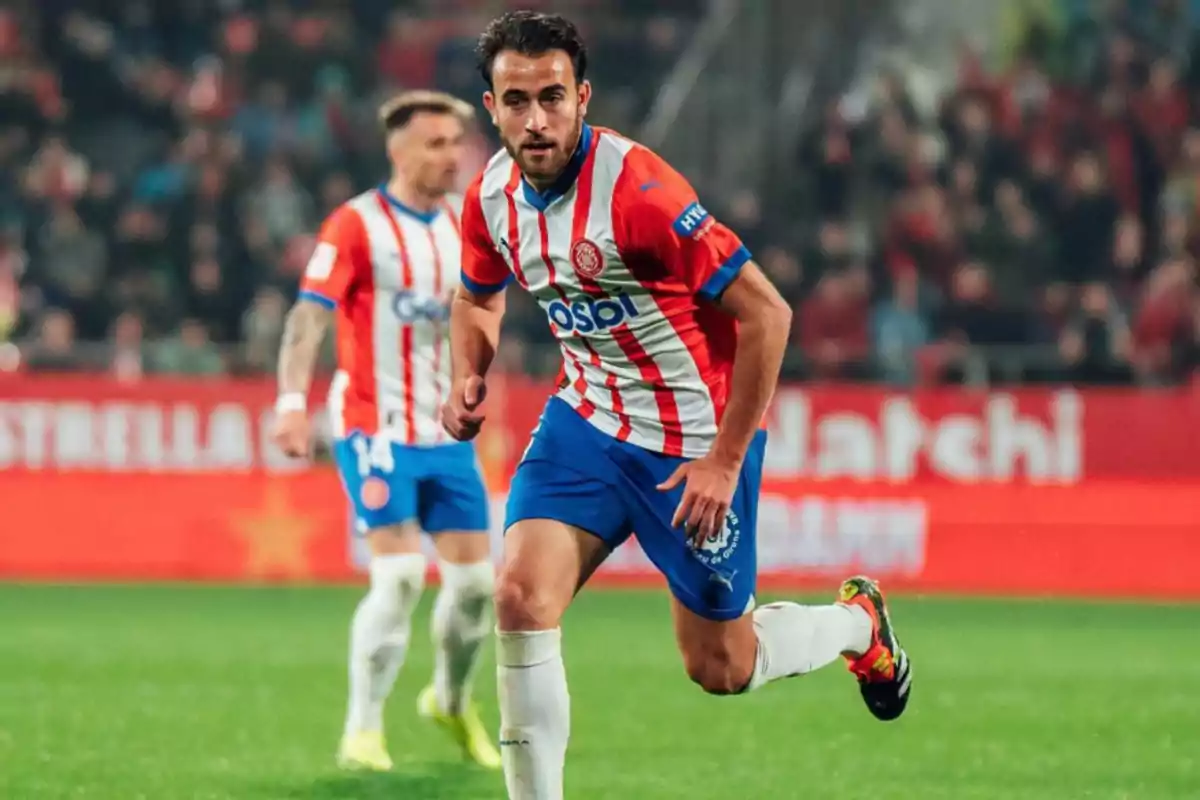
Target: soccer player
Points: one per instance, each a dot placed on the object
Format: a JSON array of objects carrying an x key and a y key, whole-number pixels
[
  {"x": 385, "y": 266},
  {"x": 672, "y": 341}
]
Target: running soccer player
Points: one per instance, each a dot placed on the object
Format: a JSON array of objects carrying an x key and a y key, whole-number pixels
[
  {"x": 385, "y": 266},
  {"x": 672, "y": 341}
]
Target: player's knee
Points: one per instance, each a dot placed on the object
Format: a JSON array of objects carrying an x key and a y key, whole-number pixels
[
  {"x": 718, "y": 672},
  {"x": 470, "y": 585},
  {"x": 522, "y": 606},
  {"x": 399, "y": 577}
]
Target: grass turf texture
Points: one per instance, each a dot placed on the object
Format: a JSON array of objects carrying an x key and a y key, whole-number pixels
[{"x": 193, "y": 692}]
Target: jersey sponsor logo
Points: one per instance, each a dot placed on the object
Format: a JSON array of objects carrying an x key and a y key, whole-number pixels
[
  {"x": 320, "y": 264},
  {"x": 691, "y": 223},
  {"x": 719, "y": 546},
  {"x": 586, "y": 258},
  {"x": 592, "y": 315},
  {"x": 411, "y": 307}
]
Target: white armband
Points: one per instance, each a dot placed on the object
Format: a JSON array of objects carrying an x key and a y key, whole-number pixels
[{"x": 291, "y": 401}]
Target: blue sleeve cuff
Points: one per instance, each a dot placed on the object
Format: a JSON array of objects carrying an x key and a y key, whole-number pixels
[
  {"x": 475, "y": 287},
  {"x": 719, "y": 281},
  {"x": 319, "y": 299}
]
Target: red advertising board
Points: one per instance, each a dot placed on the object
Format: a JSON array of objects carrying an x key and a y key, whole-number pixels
[{"x": 1029, "y": 492}]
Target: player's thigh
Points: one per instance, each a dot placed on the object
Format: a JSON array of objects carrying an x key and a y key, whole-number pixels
[
  {"x": 560, "y": 526},
  {"x": 463, "y": 547},
  {"x": 453, "y": 504},
  {"x": 394, "y": 540},
  {"x": 382, "y": 493},
  {"x": 718, "y": 655},
  {"x": 546, "y": 561},
  {"x": 712, "y": 582}
]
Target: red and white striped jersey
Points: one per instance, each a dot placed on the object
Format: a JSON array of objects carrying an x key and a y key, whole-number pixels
[
  {"x": 626, "y": 264},
  {"x": 389, "y": 271}
]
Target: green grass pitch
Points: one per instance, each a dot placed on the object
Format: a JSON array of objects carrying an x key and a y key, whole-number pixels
[{"x": 200, "y": 693}]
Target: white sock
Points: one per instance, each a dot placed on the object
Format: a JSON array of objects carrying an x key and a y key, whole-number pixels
[
  {"x": 461, "y": 617},
  {"x": 535, "y": 713},
  {"x": 379, "y": 636},
  {"x": 795, "y": 639}
]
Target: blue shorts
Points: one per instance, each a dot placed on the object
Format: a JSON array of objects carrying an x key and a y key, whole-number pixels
[
  {"x": 576, "y": 474},
  {"x": 438, "y": 487}
]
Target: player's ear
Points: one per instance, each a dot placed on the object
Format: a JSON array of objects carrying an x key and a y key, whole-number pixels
[
  {"x": 489, "y": 102},
  {"x": 394, "y": 144},
  {"x": 585, "y": 95}
]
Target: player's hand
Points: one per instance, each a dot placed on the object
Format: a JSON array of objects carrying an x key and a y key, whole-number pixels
[
  {"x": 708, "y": 492},
  {"x": 292, "y": 433},
  {"x": 461, "y": 416}
]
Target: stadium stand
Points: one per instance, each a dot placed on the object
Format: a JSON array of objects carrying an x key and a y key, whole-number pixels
[{"x": 164, "y": 167}]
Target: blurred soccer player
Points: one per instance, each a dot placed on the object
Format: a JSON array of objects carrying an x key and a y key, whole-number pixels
[
  {"x": 672, "y": 340},
  {"x": 386, "y": 264}
]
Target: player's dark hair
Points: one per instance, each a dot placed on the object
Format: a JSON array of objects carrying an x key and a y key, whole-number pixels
[{"x": 530, "y": 33}]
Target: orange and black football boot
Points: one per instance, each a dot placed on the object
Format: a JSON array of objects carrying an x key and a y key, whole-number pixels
[{"x": 884, "y": 672}]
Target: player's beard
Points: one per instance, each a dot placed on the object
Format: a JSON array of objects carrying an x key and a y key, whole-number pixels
[{"x": 545, "y": 172}]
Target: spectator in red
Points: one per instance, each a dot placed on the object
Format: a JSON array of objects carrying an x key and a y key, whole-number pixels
[
  {"x": 922, "y": 233},
  {"x": 832, "y": 326},
  {"x": 1123, "y": 148},
  {"x": 407, "y": 54},
  {"x": 1162, "y": 328},
  {"x": 1161, "y": 108}
]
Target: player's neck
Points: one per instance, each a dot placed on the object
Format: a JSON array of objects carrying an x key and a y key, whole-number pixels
[
  {"x": 541, "y": 185},
  {"x": 410, "y": 197}
]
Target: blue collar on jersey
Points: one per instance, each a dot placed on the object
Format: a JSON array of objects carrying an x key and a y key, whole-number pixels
[
  {"x": 424, "y": 217},
  {"x": 541, "y": 200}
]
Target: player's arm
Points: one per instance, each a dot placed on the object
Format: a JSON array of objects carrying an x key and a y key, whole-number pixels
[
  {"x": 764, "y": 322},
  {"x": 474, "y": 332},
  {"x": 340, "y": 255},
  {"x": 660, "y": 220},
  {"x": 303, "y": 331},
  {"x": 475, "y": 316}
]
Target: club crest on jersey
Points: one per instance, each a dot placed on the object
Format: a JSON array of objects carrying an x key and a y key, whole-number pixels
[
  {"x": 374, "y": 493},
  {"x": 717, "y": 548},
  {"x": 586, "y": 258}
]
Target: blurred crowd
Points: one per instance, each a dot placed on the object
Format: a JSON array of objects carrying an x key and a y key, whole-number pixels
[
  {"x": 163, "y": 167},
  {"x": 1039, "y": 222}
]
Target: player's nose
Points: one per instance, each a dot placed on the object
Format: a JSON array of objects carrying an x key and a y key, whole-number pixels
[{"x": 537, "y": 119}]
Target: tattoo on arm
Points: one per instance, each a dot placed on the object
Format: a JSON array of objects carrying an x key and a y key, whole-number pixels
[{"x": 303, "y": 332}]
